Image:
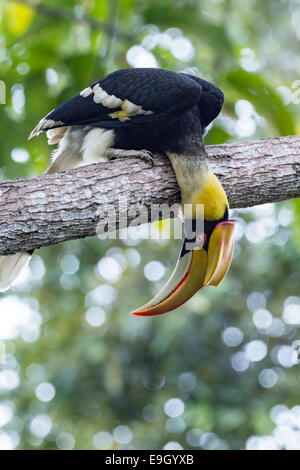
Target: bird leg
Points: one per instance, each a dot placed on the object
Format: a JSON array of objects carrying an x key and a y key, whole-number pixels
[{"x": 145, "y": 155}]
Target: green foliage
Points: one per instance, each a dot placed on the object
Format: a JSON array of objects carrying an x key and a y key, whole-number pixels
[{"x": 124, "y": 370}]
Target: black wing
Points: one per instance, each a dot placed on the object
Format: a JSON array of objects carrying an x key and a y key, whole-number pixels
[
  {"x": 211, "y": 101},
  {"x": 125, "y": 98}
]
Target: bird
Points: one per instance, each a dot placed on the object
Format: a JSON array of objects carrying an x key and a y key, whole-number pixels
[{"x": 138, "y": 112}]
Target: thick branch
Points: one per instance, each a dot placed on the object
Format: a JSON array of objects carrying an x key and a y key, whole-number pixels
[{"x": 49, "y": 209}]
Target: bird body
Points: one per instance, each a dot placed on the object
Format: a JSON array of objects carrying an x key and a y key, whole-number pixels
[
  {"x": 150, "y": 110},
  {"x": 140, "y": 106}
]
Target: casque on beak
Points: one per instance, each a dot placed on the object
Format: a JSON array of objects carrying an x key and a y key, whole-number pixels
[{"x": 204, "y": 265}]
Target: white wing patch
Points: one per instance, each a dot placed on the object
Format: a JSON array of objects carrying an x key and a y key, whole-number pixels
[
  {"x": 128, "y": 109},
  {"x": 131, "y": 108},
  {"x": 86, "y": 92},
  {"x": 45, "y": 124}
]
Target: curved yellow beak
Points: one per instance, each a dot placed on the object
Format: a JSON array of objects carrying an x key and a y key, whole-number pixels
[{"x": 194, "y": 270}]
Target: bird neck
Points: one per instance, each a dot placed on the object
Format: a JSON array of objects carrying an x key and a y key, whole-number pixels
[{"x": 202, "y": 195}]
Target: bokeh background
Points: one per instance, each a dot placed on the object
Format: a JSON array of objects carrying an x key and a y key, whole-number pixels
[{"x": 218, "y": 373}]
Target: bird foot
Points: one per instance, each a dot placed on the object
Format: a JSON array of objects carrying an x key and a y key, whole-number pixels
[{"x": 144, "y": 155}]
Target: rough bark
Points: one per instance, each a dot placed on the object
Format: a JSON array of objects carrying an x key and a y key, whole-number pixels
[{"x": 49, "y": 209}]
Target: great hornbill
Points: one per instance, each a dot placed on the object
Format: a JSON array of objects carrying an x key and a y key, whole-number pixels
[{"x": 137, "y": 112}]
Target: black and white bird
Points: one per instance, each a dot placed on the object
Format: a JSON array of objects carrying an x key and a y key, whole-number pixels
[{"x": 137, "y": 112}]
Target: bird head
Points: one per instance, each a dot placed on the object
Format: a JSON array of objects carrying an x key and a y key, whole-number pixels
[{"x": 206, "y": 252}]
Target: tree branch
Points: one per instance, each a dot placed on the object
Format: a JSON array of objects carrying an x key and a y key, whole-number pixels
[
  {"x": 49, "y": 209},
  {"x": 70, "y": 15}
]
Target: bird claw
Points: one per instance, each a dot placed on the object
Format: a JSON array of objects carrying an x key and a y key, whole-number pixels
[{"x": 144, "y": 155}]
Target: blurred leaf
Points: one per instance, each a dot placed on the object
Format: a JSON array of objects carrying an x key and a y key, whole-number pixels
[
  {"x": 19, "y": 17},
  {"x": 267, "y": 102}
]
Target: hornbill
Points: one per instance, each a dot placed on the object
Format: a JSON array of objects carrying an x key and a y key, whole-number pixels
[{"x": 137, "y": 112}]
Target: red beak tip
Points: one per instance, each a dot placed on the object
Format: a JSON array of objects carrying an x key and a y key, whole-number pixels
[
  {"x": 144, "y": 313},
  {"x": 139, "y": 313}
]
